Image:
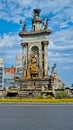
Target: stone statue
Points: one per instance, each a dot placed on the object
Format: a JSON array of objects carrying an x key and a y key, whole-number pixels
[
  {"x": 46, "y": 25},
  {"x": 24, "y": 26},
  {"x": 53, "y": 68},
  {"x": 33, "y": 66}
]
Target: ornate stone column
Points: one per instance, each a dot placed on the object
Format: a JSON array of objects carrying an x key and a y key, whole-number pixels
[
  {"x": 24, "y": 58},
  {"x": 40, "y": 63},
  {"x": 28, "y": 61},
  {"x": 45, "y": 59}
]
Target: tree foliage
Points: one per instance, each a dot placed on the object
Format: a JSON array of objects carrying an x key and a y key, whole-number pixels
[{"x": 62, "y": 94}]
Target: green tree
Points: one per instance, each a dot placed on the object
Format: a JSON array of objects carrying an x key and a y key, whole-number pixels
[{"x": 62, "y": 94}]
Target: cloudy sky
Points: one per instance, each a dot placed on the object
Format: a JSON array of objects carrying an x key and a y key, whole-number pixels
[{"x": 60, "y": 49}]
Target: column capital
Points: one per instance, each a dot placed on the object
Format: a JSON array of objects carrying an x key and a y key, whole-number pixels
[
  {"x": 23, "y": 44},
  {"x": 45, "y": 42}
]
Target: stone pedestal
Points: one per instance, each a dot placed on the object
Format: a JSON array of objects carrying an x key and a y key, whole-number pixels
[{"x": 34, "y": 87}]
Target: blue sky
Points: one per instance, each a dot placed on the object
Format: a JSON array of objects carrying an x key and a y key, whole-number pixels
[{"x": 60, "y": 49}]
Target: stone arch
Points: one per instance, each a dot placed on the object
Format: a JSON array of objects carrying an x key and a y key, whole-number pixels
[{"x": 35, "y": 52}]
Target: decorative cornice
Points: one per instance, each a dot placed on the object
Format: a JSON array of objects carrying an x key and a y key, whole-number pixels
[{"x": 23, "y": 33}]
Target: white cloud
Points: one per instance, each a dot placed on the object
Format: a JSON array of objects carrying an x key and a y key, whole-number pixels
[
  {"x": 62, "y": 40},
  {"x": 9, "y": 47},
  {"x": 61, "y": 48},
  {"x": 11, "y": 9},
  {"x": 9, "y": 40}
]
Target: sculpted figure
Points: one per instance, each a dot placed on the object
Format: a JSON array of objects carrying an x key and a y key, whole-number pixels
[{"x": 33, "y": 66}]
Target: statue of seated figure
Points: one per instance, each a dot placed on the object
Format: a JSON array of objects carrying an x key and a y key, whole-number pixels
[{"x": 33, "y": 66}]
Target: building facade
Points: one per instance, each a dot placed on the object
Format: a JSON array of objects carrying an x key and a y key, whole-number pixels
[
  {"x": 9, "y": 74},
  {"x": 1, "y": 73},
  {"x": 35, "y": 46},
  {"x": 18, "y": 65}
]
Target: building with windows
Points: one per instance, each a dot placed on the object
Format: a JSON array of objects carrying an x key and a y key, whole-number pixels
[
  {"x": 1, "y": 73},
  {"x": 9, "y": 74},
  {"x": 18, "y": 65}
]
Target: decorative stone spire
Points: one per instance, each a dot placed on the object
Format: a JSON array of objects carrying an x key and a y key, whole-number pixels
[
  {"x": 36, "y": 12},
  {"x": 39, "y": 26},
  {"x": 36, "y": 20}
]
